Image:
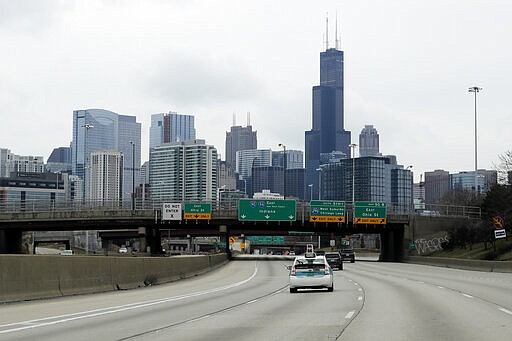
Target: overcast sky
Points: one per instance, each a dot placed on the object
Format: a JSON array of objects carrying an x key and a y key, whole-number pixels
[{"x": 408, "y": 67}]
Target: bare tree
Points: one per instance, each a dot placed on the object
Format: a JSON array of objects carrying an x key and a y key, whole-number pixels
[{"x": 504, "y": 167}]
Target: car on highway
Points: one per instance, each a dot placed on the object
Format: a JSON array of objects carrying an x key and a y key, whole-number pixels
[
  {"x": 66, "y": 252},
  {"x": 348, "y": 254},
  {"x": 123, "y": 249},
  {"x": 334, "y": 260},
  {"x": 311, "y": 271}
]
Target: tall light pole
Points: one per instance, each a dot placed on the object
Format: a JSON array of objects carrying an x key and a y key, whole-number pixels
[
  {"x": 476, "y": 90},
  {"x": 353, "y": 147},
  {"x": 319, "y": 170},
  {"x": 133, "y": 175},
  {"x": 284, "y": 167},
  {"x": 310, "y": 192},
  {"x": 406, "y": 205},
  {"x": 86, "y": 168}
]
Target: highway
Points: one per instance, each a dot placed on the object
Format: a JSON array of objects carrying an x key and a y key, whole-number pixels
[{"x": 250, "y": 300}]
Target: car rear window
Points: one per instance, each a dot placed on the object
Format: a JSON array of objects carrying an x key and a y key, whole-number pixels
[{"x": 332, "y": 256}]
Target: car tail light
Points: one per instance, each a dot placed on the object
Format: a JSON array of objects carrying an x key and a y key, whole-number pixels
[
  {"x": 292, "y": 273},
  {"x": 326, "y": 270}
]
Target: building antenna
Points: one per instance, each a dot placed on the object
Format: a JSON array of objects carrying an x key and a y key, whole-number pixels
[
  {"x": 248, "y": 118},
  {"x": 327, "y": 31},
  {"x": 234, "y": 120},
  {"x": 338, "y": 39}
]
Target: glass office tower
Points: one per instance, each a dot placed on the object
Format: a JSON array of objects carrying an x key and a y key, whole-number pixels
[{"x": 106, "y": 131}]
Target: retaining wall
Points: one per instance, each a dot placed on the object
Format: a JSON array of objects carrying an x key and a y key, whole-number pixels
[
  {"x": 464, "y": 264},
  {"x": 26, "y": 277}
]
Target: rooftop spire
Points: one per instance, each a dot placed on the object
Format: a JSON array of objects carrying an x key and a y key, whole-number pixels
[
  {"x": 337, "y": 37},
  {"x": 327, "y": 31}
]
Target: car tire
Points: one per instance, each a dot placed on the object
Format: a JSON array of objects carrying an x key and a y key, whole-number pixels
[
  {"x": 352, "y": 260},
  {"x": 331, "y": 288},
  {"x": 293, "y": 290}
]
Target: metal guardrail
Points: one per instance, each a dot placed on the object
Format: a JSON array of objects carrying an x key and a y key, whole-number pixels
[{"x": 220, "y": 209}]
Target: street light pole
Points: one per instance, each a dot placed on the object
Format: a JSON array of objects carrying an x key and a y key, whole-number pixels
[
  {"x": 133, "y": 175},
  {"x": 310, "y": 192},
  {"x": 353, "y": 147},
  {"x": 86, "y": 168},
  {"x": 319, "y": 170},
  {"x": 284, "y": 167},
  {"x": 476, "y": 90}
]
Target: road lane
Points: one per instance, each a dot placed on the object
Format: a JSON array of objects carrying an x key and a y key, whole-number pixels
[
  {"x": 414, "y": 302},
  {"x": 249, "y": 300}
]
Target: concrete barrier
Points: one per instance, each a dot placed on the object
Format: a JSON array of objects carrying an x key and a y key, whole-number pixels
[
  {"x": 464, "y": 264},
  {"x": 27, "y": 277}
]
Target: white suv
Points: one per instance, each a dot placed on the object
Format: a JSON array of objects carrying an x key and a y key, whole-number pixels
[{"x": 311, "y": 272}]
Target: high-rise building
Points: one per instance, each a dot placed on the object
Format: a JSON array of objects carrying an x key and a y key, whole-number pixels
[
  {"x": 437, "y": 183},
  {"x": 369, "y": 141},
  {"x": 328, "y": 133},
  {"x": 10, "y": 162},
  {"x": 247, "y": 160},
  {"x": 98, "y": 129},
  {"x": 237, "y": 139},
  {"x": 367, "y": 178},
  {"x": 183, "y": 171},
  {"x": 267, "y": 178},
  {"x": 171, "y": 127},
  {"x": 106, "y": 176},
  {"x": 227, "y": 177},
  {"x": 59, "y": 160},
  {"x": 294, "y": 159}
]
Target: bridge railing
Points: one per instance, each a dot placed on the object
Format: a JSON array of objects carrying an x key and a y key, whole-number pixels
[{"x": 224, "y": 208}]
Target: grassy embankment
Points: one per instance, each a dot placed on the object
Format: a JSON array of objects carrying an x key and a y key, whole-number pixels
[{"x": 478, "y": 251}]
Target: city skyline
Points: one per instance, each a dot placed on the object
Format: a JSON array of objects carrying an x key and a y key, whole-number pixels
[{"x": 406, "y": 77}]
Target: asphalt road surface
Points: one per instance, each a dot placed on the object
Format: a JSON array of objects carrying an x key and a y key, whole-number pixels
[{"x": 250, "y": 300}]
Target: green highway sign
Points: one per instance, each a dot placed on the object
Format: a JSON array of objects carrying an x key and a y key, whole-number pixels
[
  {"x": 197, "y": 211},
  {"x": 370, "y": 213},
  {"x": 327, "y": 211},
  {"x": 266, "y": 240},
  {"x": 266, "y": 210}
]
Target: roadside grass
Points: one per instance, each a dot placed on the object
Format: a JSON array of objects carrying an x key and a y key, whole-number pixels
[{"x": 478, "y": 251}]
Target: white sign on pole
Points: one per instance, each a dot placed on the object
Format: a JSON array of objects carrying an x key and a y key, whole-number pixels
[
  {"x": 500, "y": 234},
  {"x": 171, "y": 211}
]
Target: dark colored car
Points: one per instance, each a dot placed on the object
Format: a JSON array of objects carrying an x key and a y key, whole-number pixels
[
  {"x": 348, "y": 254},
  {"x": 334, "y": 260}
]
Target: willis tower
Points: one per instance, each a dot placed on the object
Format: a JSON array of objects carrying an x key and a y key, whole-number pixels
[{"x": 327, "y": 134}]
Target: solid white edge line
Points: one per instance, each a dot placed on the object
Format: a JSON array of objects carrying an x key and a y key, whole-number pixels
[
  {"x": 506, "y": 311},
  {"x": 466, "y": 295}
]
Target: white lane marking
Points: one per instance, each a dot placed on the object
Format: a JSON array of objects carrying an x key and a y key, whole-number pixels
[
  {"x": 420, "y": 282},
  {"x": 350, "y": 314},
  {"x": 360, "y": 298},
  {"x": 360, "y": 289},
  {"x": 440, "y": 287},
  {"x": 506, "y": 311},
  {"x": 110, "y": 310},
  {"x": 466, "y": 295},
  {"x": 356, "y": 283}
]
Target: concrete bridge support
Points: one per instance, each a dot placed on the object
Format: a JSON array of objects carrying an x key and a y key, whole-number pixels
[
  {"x": 392, "y": 245},
  {"x": 10, "y": 241}
]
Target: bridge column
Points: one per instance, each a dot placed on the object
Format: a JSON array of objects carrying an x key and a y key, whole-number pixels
[
  {"x": 386, "y": 245},
  {"x": 142, "y": 239},
  {"x": 155, "y": 241},
  {"x": 10, "y": 241}
]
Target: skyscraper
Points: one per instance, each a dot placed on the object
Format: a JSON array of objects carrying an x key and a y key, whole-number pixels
[
  {"x": 106, "y": 176},
  {"x": 368, "y": 141},
  {"x": 183, "y": 171},
  {"x": 98, "y": 129},
  {"x": 239, "y": 138},
  {"x": 171, "y": 127},
  {"x": 328, "y": 133}
]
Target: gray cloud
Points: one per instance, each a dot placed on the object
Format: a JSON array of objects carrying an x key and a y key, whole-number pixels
[{"x": 186, "y": 80}]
